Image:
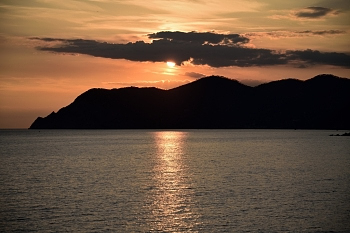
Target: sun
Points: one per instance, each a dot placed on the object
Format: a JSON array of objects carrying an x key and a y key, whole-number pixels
[{"x": 170, "y": 64}]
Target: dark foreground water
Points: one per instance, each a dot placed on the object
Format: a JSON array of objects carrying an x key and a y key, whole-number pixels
[{"x": 174, "y": 181}]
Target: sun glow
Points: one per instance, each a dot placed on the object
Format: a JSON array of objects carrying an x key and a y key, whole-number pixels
[{"x": 170, "y": 64}]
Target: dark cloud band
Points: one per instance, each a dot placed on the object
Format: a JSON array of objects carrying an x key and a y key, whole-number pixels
[
  {"x": 200, "y": 37},
  {"x": 314, "y": 12},
  {"x": 322, "y": 32},
  {"x": 199, "y": 49}
]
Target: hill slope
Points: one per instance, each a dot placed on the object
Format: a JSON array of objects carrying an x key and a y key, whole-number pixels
[{"x": 322, "y": 102}]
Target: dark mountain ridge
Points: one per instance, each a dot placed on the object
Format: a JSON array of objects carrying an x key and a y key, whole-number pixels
[{"x": 322, "y": 102}]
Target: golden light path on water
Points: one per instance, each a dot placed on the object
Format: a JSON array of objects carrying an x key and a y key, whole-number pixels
[{"x": 173, "y": 201}]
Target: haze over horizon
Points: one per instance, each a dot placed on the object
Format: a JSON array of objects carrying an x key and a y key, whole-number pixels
[{"x": 52, "y": 51}]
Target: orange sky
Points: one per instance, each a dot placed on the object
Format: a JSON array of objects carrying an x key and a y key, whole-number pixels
[{"x": 53, "y": 50}]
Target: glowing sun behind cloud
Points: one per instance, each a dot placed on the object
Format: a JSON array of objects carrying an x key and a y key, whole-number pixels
[{"x": 170, "y": 64}]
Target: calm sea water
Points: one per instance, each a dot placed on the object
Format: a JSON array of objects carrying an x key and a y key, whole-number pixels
[{"x": 174, "y": 181}]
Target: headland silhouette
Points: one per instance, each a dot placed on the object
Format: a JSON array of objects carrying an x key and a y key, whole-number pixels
[{"x": 213, "y": 102}]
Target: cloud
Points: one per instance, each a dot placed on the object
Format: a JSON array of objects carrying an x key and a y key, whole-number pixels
[
  {"x": 292, "y": 34},
  {"x": 313, "y": 57},
  {"x": 200, "y": 37},
  {"x": 322, "y": 32},
  {"x": 164, "y": 50},
  {"x": 191, "y": 47},
  {"x": 308, "y": 13},
  {"x": 315, "y": 12},
  {"x": 194, "y": 75}
]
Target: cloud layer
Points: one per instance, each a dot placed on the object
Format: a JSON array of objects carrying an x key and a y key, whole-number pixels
[{"x": 209, "y": 48}]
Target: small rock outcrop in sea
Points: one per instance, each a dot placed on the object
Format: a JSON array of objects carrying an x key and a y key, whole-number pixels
[{"x": 214, "y": 102}]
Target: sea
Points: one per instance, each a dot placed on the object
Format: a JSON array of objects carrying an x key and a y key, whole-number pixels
[{"x": 174, "y": 181}]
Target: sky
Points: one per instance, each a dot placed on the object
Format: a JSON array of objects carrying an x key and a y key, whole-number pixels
[{"x": 51, "y": 51}]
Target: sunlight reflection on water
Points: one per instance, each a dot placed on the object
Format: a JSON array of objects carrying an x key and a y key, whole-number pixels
[{"x": 172, "y": 198}]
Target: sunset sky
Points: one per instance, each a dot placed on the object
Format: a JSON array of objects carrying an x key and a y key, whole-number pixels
[{"x": 53, "y": 50}]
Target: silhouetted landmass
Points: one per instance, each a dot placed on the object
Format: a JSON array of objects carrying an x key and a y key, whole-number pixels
[
  {"x": 322, "y": 102},
  {"x": 344, "y": 134}
]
